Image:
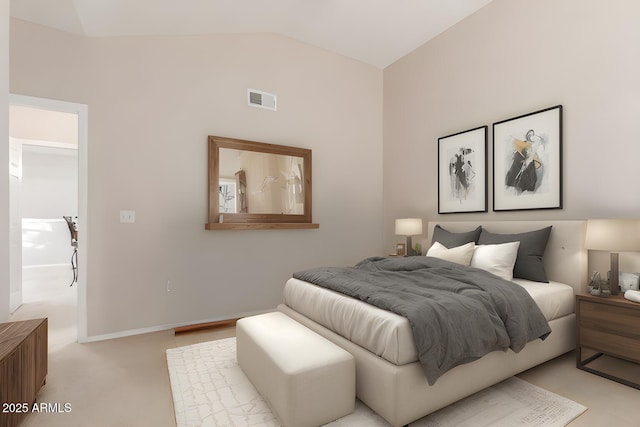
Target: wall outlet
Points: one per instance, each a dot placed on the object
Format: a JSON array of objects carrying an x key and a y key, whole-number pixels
[{"x": 128, "y": 217}]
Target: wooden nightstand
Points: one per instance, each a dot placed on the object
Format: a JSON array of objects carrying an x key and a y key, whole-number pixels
[{"x": 607, "y": 326}]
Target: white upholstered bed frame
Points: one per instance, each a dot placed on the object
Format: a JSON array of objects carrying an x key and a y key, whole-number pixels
[{"x": 400, "y": 394}]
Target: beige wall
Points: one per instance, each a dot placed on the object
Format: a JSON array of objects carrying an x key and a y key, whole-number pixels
[
  {"x": 152, "y": 102},
  {"x": 4, "y": 161},
  {"x": 514, "y": 57}
]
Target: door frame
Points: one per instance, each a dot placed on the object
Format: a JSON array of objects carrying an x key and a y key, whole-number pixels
[{"x": 83, "y": 159}]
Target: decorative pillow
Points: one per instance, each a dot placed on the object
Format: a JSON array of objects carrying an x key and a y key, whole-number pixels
[
  {"x": 459, "y": 255},
  {"x": 532, "y": 246},
  {"x": 451, "y": 240},
  {"x": 496, "y": 259}
]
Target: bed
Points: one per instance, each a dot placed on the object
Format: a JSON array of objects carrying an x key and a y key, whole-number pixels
[{"x": 388, "y": 377}]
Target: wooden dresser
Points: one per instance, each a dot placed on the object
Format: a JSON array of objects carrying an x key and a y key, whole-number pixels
[
  {"x": 23, "y": 367},
  {"x": 607, "y": 326}
]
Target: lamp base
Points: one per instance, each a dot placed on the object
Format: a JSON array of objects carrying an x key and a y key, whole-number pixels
[
  {"x": 615, "y": 274},
  {"x": 410, "y": 250}
]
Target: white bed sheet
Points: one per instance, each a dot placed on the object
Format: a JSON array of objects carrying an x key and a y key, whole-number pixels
[
  {"x": 387, "y": 334},
  {"x": 554, "y": 299}
]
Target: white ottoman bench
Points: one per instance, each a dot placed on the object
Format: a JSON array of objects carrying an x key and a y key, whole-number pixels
[{"x": 308, "y": 380}]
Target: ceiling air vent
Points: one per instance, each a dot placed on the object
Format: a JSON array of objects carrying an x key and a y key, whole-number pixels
[{"x": 257, "y": 98}]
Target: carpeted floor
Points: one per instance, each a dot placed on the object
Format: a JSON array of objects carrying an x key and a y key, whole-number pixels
[{"x": 210, "y": 389}]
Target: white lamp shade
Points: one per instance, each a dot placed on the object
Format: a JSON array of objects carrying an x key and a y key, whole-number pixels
[
  {"x": 617, "y": 235},
  {"x": 409, "y": 226}
]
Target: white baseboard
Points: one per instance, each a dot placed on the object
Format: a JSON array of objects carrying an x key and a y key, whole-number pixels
[
  {"x": 40, "y": 266},
  {"x": 131, "y": 332}
]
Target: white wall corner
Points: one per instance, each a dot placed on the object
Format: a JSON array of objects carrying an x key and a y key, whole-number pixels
[{"x": 4, "y": 161}]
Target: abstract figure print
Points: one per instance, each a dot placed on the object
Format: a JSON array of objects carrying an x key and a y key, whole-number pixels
[
  {"x": 462, "y": 174},
  {"x": 526, "y": 172}
]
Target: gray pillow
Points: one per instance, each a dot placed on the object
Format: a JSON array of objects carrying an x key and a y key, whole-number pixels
[
  {"x": 532, "y": 246},
  {"x": 451, "y": 240}
]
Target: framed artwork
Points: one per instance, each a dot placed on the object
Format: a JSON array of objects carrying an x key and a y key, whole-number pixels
[
  {"x": 629, "y": 281},
  {"x": 227, "y": 196},
  {"x": 401, "y": 249},
  {"x": 462, "y": 172},
  {"x": 527, "y": 161}
]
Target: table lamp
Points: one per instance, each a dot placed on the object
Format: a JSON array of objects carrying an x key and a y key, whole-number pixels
[
  {"x": 409, "y": 227},
  {"x": 613, "y": 235}
]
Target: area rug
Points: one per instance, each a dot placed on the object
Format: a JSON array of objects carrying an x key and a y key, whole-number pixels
[{"x": 210, "y": 389}]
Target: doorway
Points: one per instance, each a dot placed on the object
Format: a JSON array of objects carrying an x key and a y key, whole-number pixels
[{"x": 51, "y": 139}]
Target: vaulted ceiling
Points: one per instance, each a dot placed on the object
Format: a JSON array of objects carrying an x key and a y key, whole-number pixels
[{"x": 377, "y": 32}]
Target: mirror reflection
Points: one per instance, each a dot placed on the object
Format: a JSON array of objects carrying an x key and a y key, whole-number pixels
[
  {"x": 256, "y": 185},
  {"x": 260, "y": 183}
]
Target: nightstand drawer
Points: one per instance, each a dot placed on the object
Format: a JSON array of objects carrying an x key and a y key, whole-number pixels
[
  {"x": 608, "y": 318},
  {"x": 614, "y": 345}
]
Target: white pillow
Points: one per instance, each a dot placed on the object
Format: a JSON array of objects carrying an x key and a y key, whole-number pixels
[
  {"x": 459, "y": 254},
  {"x": 497, "y": 259}
]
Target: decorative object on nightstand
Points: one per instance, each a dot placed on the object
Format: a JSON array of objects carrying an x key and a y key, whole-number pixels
[
  {"x": 614, "y": 235},
  {"x": 417, "y": 248},
  {"x": 409, "y": 227},
  {"x": 632, "y": 295},
  {"x": 629, "y": 281},
  {"x": 597, "y": 286}
]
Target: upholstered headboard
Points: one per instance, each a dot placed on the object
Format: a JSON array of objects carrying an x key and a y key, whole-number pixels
[{"x": 565, "y": 259}]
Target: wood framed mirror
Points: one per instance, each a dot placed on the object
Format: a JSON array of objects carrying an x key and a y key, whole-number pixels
[{"x": 255, "y": 185}]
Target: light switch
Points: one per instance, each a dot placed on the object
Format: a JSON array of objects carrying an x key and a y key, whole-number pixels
[{"x": 127, "y": 216}]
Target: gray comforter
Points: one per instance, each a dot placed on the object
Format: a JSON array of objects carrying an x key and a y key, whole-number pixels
[{"x": 457, "y": 314}]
